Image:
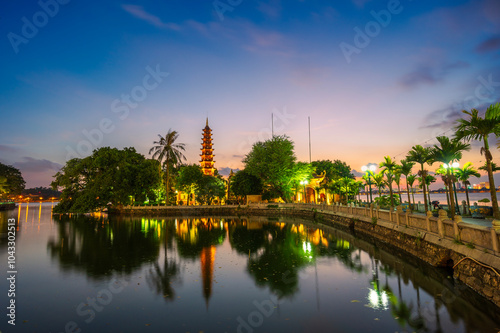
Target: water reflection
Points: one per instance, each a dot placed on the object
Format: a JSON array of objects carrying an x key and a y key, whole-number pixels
[
  {"x": 277, "y": 256},
  {"x": 100, "y": 247}
]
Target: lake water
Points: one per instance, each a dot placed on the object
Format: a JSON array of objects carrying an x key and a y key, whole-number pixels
[{"x": 100, "y": 274}]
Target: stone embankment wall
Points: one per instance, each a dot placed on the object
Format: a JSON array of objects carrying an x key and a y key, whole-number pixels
[{"x": 471, "y": 251}]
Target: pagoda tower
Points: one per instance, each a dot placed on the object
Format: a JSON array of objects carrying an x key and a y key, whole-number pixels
[{"x": 207, "y": 152}]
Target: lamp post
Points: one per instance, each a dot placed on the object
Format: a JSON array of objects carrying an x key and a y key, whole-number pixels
[
  {"x": 304, "y": 183},
  {"x": 369, "y": 169},
  {"x": 453, "y": 166}
]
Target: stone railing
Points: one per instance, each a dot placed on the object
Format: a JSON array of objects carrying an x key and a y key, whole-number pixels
[{"x": 473, "y": 235}]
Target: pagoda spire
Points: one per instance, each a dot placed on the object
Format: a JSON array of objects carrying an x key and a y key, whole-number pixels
[{"x": 207, "y": 152}]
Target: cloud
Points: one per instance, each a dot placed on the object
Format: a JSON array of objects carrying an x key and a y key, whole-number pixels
[
  {"x": 446, "y": 118},
  {"x": 30, "y": 164},
  {"x": 357, "y": 173},
  {"x": 430, "y": 74},
  {"x": 489, "y": 45},
  {"x": 140, "y": 13}
]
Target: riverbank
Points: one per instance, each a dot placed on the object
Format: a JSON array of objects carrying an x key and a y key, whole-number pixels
[{"x": 472, "y": 251}]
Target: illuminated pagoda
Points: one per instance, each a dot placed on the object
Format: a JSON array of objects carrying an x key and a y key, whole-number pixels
[{"x": 207, "y": 152}]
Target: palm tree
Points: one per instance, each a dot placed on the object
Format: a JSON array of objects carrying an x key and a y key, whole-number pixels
[
  {"x": 443, "y": 172},
  {"x": 390, "y": 168},
  {"x": 494, "y": 167},
  {"x": 477, "y": 128},
  {"x": 397, "y": 180},
  {"x": 464, "y": 174},
  {"x": 429, "y": 179},
  {"x": 170, "y": 153},
  {"x": 406, "y": 167},
  {"x": 378, "y": 179},
  {"x": 410, "y": 179},
  {"x": 421, "y": 155},
  {"x": 447, "y": 152},
  {"x": 366, "y": 177}
]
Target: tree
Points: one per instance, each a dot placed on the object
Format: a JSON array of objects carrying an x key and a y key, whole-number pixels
[
  {"x": 170, "y": 153},
  {"x": 429, "y": 179},
  {"x": 410, "y": 180},
  {"x": 389, "y": 170},
  {"x": 477, "y": 128},
  {"x": 378, "y": 179},
  {"x": 11, "y": 180},
  {"x": 208, "y": 189},
  {"x": 108, "y": 176},
  {"x": 333, "y": 170},
  {"x": 494, "y": 167},
  {"x": 397, "y": 180},
  {"x": 447, "y": 152},
  {"x": 421, "y": 155},
  {"x": 273, "y": 162},
  {"x": 188, "y": 179},
  {"x": 244, "y": 183},
  {"x": 406, "y": 167},
  {"x": 464, "y": 174}
]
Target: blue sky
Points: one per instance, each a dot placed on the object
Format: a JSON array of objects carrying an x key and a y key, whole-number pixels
[{"x": 375, "y": 77}]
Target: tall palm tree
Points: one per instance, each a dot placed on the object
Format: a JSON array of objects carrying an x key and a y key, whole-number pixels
[
  {"x": 464, "y": 174},
  {"x": 443, "y": 172},
  {"x": 166, "y": 151},
  {"x": 378, "y": 179},
  {"x": 397, "y": 180},
  {"x": 447, "y": 152},
  {"x": 389, "y": 169},
  {"x": 429, "y": 179},
  {"x": 406, "y": 167},
  {"x": 477, "y": 128},
  {"x": 366, "y": 177},
  {"x": 421, "y": 155},
  {"x": 410, "y": 180}
]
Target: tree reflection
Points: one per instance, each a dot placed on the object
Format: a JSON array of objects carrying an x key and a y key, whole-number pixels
[
  {"x": 100, "y": 247},
  {"x": 162, "y": 279}
]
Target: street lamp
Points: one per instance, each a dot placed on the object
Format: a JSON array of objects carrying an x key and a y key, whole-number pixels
[
  {"x": 304, "y": 183},
  {"x": 452, "y": 166},
  {"x": 369, "y": 169}
]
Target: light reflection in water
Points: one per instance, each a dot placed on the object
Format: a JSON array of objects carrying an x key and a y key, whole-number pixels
[{"x": 184, "y": 261}]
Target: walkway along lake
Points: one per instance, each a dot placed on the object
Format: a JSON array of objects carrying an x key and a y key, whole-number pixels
[{"x": 224, "y": 274}]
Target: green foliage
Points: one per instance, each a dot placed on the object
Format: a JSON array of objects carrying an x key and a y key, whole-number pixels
[
  {"x": 11, "y": 180},
  {"x": 273, "y": 162},
  {"x": 208, "y": 189},
  {"x": 374, "y": 220},
  {"x": 333, "y": 170},
  {"x": 189, "y": 176},
  {"x": 109, "y": 175},
  {"x": 243, "y": 183},
  {"x": 385, "y": 200}
]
